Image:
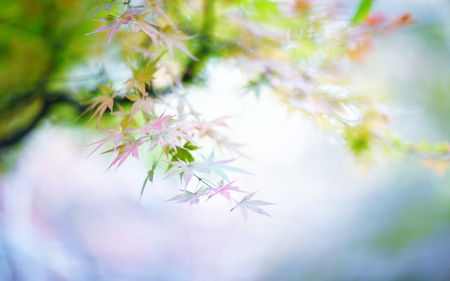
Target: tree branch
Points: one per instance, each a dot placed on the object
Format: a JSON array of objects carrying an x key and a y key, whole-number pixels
[{"x": 49, "y": 101}]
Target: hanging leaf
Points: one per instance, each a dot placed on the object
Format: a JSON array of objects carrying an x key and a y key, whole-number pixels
[
  {"x": 191, "y": 197},
  {"x": 362, "y": 12},
  {"x": 246, "y": 204}
]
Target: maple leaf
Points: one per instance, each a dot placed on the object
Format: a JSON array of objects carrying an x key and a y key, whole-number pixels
[
  {"x": 205, "y": 126},
  {"x": 115, "y": 135},
  {"x": 232, "y": 147},
  {"x": 156, "y": 7},
  {"x": 124, "y": 151},
  {"x": 167, "y": 138},
  {"x": 223, "y": 190},
  {"x": 105, "y": 101},
  {"x": 183, "y": 154},
  {"x": 142, "y": 77},
  {"x": 145, "y": 104},
  {"x": 219, "y": 166},
  {"x": 173, "y": 37},
  {"x": 182, "y": 100},
  {"x": 140, "y": 80},
  {"x": 191, "y": 197},
  {"x": 257, "y": 85},
  {"x": 114, "y": 22},
  {"x": 157, "y": 125},
  {"x": 188, "y": 168},
  {"x": 141, "y": 23},
  {"x": 246, "y": 204},
  {"x": 99, "y": 6}
]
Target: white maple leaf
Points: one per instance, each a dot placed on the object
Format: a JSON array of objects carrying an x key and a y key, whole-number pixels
[
  {"x": 246, "y": 204},
  {"x": 188, "y": 168},
  {"x": 191, "y": 197}
]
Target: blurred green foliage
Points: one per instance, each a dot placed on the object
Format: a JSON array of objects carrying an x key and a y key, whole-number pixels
[{"x": 40, "y": 43}]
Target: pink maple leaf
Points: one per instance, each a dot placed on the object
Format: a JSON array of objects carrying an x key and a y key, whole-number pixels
[
  {"x": 145, "y": 104},
  {"x": 103, "y": 102},
  {"x": 114, "y": 22},
  {"x": 173, "y": 36},
  {"x": 141, "y": 23},
  {"x": 157, "y": 125},
  {"x": 204, "y": 126},
  {"x": 125, "y": 151},
  {"x": 223, "y": 191},
  {"x": 157, "y": 8},
  {"x": 115, "y": 135}
]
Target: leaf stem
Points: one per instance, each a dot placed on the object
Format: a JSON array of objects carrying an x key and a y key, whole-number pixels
[{"x": 203, "y": 181}]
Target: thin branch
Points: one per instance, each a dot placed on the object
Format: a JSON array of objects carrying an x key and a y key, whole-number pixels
[
  {"x": 200, "y": 179},
  {"x": 49, "y": 101},
  {"x": 25, "y": 29}
]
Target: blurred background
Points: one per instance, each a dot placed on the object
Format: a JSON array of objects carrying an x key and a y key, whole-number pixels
[{"x": 62, "y": 217}]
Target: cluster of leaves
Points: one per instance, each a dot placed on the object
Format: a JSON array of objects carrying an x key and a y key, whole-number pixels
[
  {"x": 177, "y": 143},
  {"x": 436, "y": 156},
  {"x": 175, "y": 137},
  {"x": 299, "y": 51}
]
